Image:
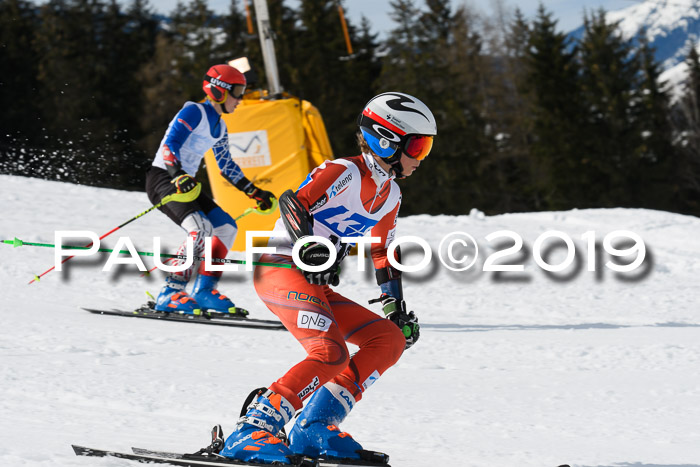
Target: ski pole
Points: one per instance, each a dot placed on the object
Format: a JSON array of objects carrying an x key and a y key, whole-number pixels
[
  {"x": 16, "y": 242},
  {"x": 178, "y": 197},
  {"x": 263, "y": 212}
]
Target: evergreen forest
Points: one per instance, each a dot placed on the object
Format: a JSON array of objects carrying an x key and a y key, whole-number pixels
[{"x": 529, "y": 119}]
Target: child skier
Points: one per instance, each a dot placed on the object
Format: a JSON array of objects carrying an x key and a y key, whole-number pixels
[
  {"x": 341, "y": 198},
  {"x": 194, "y": 130}
]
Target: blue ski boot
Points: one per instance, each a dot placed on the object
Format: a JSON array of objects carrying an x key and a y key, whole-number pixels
[
  {"x": 208, "y": 298},
  {"x": 255, "y": 437},
  {"x": 316, "y": 431},
  {"x": 174, "y": 299}
]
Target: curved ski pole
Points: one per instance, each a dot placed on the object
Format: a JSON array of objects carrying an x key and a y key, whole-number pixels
[
  {"x": 177, "y": 197},
  {"x": 256, "y": 209}
]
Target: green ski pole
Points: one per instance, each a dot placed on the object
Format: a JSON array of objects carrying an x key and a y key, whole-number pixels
[
  {"x": 178, "y": 197},
  {"x": 16, "y": 242}
]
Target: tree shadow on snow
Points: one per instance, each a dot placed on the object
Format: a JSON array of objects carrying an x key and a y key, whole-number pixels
[{"x": 449, "y": 327}]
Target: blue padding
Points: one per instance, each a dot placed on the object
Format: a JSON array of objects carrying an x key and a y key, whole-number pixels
[
  {"x": 373, "y": 143},
  {"x": 179, "y": 132},
  {"x": 392, "y": 288},
  {"x": 219, "y": 217},
  {"x": 213, "y": 118}
]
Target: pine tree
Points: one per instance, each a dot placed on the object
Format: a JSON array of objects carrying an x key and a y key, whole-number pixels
[
  {"x": 552, "y": 89},
  {"x": 72, "y": 69},
  {"x": 361, "y": 69},
  {"x": 651, "y": 182},
  {"x": 182, "y": 54},
  {"x": 458, "y": 75},
  {"x": 692, "y": 102},
  {"x": 401, "y": 63},
  {"x": 686, "y": 115},
  {"x": 407, "y": 68},
  {"x": 162, "y": 88},
  {"x": 508, "y": 164},
  {"x": 142, "y": 31},
  {"x": 67, "y": 37},
  {"x": 126, "y": 43},
  {"x": 436, "y": 56},
  {"x": 518, "y": 36},
  {"x": 365, "y": 63},
  {"x": 200, "y": 34},
  {"x": 323, "y": 73},
  {"x": 611, "y": 82},
  {"x": 235, "y": 29},
  {"x": 20, "y": 118}
]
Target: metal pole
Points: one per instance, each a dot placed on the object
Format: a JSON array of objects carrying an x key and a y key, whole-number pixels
[{"x": 268, "y": 47}]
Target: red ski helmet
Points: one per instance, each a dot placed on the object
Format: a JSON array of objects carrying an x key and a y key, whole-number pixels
[{"x": 221, "y": 80}]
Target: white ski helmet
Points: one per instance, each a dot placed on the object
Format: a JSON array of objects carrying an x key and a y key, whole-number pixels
[{"x": 394, "y": 122}]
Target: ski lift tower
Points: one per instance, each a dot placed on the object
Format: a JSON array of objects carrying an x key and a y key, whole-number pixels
[
  {"x": 276, "y": 138},
  {"x": 267, "y": 46}
]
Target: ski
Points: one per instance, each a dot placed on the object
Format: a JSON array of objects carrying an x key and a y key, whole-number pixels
[
  {"x": 202, "y": 460},
  {"x": 235, "y": 320},
  {"x": 320, "y": 462},
  {"x": 185, "y": 460}
]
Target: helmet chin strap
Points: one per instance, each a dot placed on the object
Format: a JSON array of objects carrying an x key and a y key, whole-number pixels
[
  {"x": 397, "y": 168},
  {"x": 396, "y": 165},
  {"x": 223, "y": 106}
]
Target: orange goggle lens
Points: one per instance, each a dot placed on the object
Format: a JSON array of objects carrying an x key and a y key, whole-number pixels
[{"x": 418, "y": 147}]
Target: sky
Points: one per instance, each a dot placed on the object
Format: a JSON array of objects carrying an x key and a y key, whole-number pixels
[{"x": 568, "y": 12}]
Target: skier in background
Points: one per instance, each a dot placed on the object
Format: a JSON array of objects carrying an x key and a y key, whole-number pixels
[
  {"x": 193, "y": 131},
  {"x": 342, "y": 198}
]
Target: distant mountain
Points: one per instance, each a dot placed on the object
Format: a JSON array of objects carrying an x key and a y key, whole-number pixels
[{"x": 669, "y": 25}]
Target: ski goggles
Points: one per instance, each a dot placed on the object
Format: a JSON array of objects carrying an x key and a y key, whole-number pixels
[
  {"x": 219, "y": 92},
  {"x": 414, "y": 146},
  {"x": 237, "y": 91},
  {"x": 418, "y": 146}
]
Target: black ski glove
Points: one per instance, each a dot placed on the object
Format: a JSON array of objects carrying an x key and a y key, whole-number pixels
[
  {"x": 316, "y": 254},
  {"x": 395, "y": 310},
  {"x": 183, "y": 182},
  {"x": 262, "y": 197}
]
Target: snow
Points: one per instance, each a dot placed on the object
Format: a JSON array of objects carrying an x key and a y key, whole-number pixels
[
  {"x": 658, "y": 16},
  {"x": 668, "y": 24},
  {"x": 675, "y": 79},
  {"x": 513, "y": 369}
]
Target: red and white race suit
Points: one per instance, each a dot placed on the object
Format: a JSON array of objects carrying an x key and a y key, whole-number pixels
[{"x": 349, "y": 197}]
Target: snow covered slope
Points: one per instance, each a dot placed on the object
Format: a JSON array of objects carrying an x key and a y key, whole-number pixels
[{"x": 517, "y": 369}]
